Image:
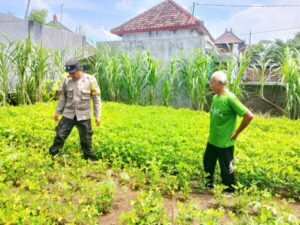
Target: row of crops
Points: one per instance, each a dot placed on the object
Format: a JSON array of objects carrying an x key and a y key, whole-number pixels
[
  {"x": 32, "y": 74},
  {"x": 158, "y": 152}
]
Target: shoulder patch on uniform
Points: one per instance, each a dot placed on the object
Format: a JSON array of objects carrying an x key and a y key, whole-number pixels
[{"x": 94, "y": 88}]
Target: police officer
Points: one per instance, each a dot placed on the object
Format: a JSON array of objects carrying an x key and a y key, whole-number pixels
[{"x": 78, "y": 90}]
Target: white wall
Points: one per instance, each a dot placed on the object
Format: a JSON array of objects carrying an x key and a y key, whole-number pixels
[
  {"x": 162, "y": 34},
  {"x": 49, "y": 37},
  {"x": 163, "y": 48}
]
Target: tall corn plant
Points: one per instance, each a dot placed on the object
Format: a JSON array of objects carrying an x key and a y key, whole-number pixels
[
  {"x": 39, "y": 70},
  {"x": 133, "y": 79},
  {"x": 263, "y": 66},
  {"x": 235, "y": 69},
  {"x": 97, "y": 63},
  {"x": 193, "y": 74},
  {"x": 108, "y": 72},
  {"x": 6, "y": 63},
  {"x": 231, "y": 71},
  {"x": 152, "y": 74},
  {"x": 290, "y": 66},
  {"x": 21, "y": 58},
  {"x": 168, "y": 81},
  {"x": 244, "y": 62},
  {"x": 77, "y": 52},
  {"x": 58, "y": 58},
  {"x": 112, "y": 75}
]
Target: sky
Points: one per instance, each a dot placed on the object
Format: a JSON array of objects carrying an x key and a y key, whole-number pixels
[{"x": 98, "y": 17}]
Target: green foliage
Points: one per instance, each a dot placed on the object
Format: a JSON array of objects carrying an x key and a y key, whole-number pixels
[
  {"x": 38, "y": 15},
  {"x": 168, "y": 82},
  {"x": 39, "y": 70},
  {"x": 295, "y": 42},
  {"x": 134, "y": 80},
  {"x": 187, "y": 213},
  {"x": 152, "y": 76},
  {"x": 193, "y": 75},
  {"x": 21, "y": 59},
  {"x": 107, "y": 67},
  {"x": 42, "y": 190},
  {"x": 137, "y": 78},
  {"x": 290, "y": 69},
  {"x": 104, "y": 199},
  {"x": 235, "y": 69},
  {"x": 147, "y": 209},
  {"x": 148, "y": 153},
  {"x": 6, "y": 65},
  {"x": 264, "y": 68}
]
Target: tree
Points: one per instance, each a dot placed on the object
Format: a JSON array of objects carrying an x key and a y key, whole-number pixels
[
  {"x": 38, "y": 15},
  {"x": 295, "y": 42}
]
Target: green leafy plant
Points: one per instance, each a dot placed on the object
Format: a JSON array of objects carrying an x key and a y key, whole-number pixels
[{"x": 147, "y": 209}]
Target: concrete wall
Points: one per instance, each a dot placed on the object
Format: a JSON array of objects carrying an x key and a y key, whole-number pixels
[
  {"x": 62, "y": 39},
  {"x": 12, "y": 27},
  {"x": 160, "y": 48},
  {"x": 162, "y": 34},
  {"x": 274, "y": 93},
  {"x": 49, "y": 37}
]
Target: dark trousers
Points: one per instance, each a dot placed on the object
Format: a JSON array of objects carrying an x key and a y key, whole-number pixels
[
  {"x": 63, "y": 130},
  {"x": 225, "y": 158}
]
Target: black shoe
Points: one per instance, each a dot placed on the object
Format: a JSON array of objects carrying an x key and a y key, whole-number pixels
[
  {"x": 53, "y": 153},
  {"x": 209, "y": 185},
  {"x": 91, "y": 157},
  {"x": 228, "y": 190}
]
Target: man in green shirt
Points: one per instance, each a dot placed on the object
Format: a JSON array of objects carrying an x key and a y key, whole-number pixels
[{"x": 224, "y": 110}]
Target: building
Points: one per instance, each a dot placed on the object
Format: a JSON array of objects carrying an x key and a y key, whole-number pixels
[
  {"x": 230, "y": 43},
  {"x": 163, "y": 30}
]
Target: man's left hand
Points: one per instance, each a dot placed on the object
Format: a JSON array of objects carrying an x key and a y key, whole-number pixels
[
  {"x": 98, "y": 121},
  {"x": 234, "y": 136}
]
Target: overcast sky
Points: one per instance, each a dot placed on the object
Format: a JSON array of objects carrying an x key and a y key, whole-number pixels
[{"x": 97, "y": 17}]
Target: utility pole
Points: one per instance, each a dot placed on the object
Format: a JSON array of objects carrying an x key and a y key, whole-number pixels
[
  {"x": 61, "y": 11},
  {"x": 27, "y": 8},
  {"x": 250, "y": 38},
  {"x": 193, "y": 11}
]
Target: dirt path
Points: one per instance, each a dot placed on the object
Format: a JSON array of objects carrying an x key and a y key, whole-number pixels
[{"x": 124, "y": 196}]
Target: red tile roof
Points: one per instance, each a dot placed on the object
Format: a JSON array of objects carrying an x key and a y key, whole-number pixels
[
  {"x": 167, "y": 15},
  {"x": 228, "y": 38}
]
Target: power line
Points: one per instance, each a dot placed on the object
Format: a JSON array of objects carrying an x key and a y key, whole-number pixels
[
  {"x": 240, "y": 6},
  {"x": 245, "y": 6},
  {"x": 270, "y": 31}
]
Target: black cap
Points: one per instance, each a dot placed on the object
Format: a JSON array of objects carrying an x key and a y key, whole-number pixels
[{"x": 72, "y": 65}]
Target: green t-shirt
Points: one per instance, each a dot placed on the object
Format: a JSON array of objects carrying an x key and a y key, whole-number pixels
[{"x": 223, "y": 113}]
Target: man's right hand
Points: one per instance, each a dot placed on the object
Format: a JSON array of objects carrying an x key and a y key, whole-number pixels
[{"x": 55, "y": 117}]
